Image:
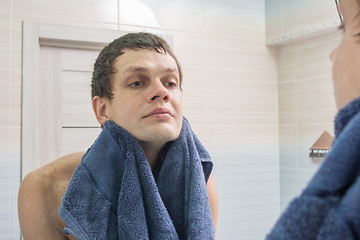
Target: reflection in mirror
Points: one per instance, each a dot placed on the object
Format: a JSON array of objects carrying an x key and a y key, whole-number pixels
[{"x": 239, "y": 95}]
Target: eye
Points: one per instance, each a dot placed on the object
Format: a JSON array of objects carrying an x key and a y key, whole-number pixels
[
  {"x": 170, "y": 84},
  {"x": 136, "y": 84}
]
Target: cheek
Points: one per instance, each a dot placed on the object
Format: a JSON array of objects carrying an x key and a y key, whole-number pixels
[
  {"x": 178, "y": 103},
  {"x": 122, "y": 109},
  {"x": 345, "y": 73},
  {"x": 338, "y": 56},
  {"x": 337, "y": 69},
  {"x": 346, "y": 57}
]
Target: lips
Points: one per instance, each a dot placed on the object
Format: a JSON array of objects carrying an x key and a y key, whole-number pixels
[{"x": 159, "y": 112}]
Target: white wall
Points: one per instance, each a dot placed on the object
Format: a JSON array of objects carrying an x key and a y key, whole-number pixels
[{"x": 230, "y": 92}]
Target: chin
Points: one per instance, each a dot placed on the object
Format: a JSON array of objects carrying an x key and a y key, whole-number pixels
[
  {"x": 159, "y": 132},
  {"x": 165, "y": 135},
  {"x": 168, "y": 136}
]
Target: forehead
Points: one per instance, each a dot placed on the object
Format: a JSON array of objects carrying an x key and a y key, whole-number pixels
[{"x": 143, "y": 58}]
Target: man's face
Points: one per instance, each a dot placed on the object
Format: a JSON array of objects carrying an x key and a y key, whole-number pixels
[
  {"x": 147, "y": 100},
  {"x": 346, "y": 57}
]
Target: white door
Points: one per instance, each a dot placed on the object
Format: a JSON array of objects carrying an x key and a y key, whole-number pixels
[
  {"x": 66, "y": 121},
  {"x": 69, "y": 124}
]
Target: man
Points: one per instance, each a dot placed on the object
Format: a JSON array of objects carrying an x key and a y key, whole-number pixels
[
  {"x": 136, "y": 90},
  {"x": 328, "y": 208}
]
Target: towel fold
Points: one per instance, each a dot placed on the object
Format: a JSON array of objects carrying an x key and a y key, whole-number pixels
[
  {"x": 343, "y": 222},
  {"x": 303, "y": 218},
  {"x": 113, "y": 193}
]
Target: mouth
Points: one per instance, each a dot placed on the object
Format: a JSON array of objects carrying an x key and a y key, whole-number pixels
[{"x": 159, "y": 113}]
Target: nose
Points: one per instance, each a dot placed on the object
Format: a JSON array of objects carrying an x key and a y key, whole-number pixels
[
  {"x": 158, "y": 92},
  {"x": 333, "y": 54}
]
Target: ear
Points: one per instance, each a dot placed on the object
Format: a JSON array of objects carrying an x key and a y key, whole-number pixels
[{"x": 100, "y": 109}]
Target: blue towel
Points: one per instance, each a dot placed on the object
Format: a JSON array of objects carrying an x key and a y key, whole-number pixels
[
  {"x": 343, "y": 222},
  {"x": 331, "y": 201},
  {"x": 113, "y": 193}
]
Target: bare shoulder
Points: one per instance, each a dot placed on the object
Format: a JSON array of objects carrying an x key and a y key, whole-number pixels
[
  {"x": 40, "y": 196},
  {"x": 214, "y": 200}
]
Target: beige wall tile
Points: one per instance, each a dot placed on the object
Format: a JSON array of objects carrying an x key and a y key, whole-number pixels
[
  {"x": 5, "y": 147},
  {"x": 92, "y": 13},
  {"x": 301, "y": 15},
  {"x": 16, "y": 57},
  {"x": 5, "y": 59},
  {"x": 241, "y": 102},
  {"x": 5, "y": 98},
  {"x": 15, "y": 150},
  {"x": 286, "y": 74},
  {"x": 288, "y": 146},
  {"x": 250, "y": 137},
  {"x": 287, "y": 118},
  {"x": 234, "y": 15},
  {"x": 247, "y": 206},
  {"x": 274, "y": 16},
  {"x": 318, "y": 116},
  {"x": 171, "y": 15},
  {"x": 190, "y": 49},
  {"x": 16, "y": 45},
  {"x": 5, "y": 28},
  {"x": 294, "y": 20},
  {"x": 287, "y": 88},
  {"x": 314, "y": 94},
  {"x": 16, "y": 98},
  {"x": 5, "y": 6},
  {"x": 293, "y": 182}
]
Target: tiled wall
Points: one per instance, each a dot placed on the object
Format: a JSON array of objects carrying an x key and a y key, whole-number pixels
[
  {"x": 306, "y": 108},
  {"x": 230, "y": 94},
  {"x": 304, "y": 33},
  {"x": 291, "y": 20}
]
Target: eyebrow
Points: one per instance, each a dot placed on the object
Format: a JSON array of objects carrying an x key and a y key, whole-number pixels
[
  {"x": 134, "y": 69},
  {"x": 172, "y": 70}
]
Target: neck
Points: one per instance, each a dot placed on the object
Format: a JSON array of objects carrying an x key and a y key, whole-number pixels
[{"x": 152, "y": 152}]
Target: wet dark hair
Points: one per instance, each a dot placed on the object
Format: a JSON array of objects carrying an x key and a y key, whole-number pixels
[{"x": 103, "y": 67}]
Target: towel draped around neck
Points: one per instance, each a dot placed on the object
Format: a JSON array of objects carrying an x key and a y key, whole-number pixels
[{"x": 114, "y": 195}]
